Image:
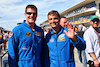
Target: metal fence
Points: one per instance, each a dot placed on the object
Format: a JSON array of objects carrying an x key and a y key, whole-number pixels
[{"x": 4, "y": 60}]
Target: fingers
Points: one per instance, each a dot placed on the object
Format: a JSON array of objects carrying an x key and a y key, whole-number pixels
[
  {"x": 65, "y": 32},
  {"x": 96, "y": 63},
  {"x": 69, "y": 25}
]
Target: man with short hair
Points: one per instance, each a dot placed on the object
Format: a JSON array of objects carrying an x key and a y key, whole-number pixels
[
  {"x": 63, "y": 21},
  {"x": 26, "y": 46},
  {"x": 61, "y": 42},
  {"x": 91, "y": 36},
  {"x": 84, "y": 28},
  {"x": 81, "y": 52}
]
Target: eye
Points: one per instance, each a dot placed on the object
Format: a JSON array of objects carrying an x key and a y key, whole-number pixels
[
  {"x": 65, "y": 22},
  {"x": 55, "y": 18},
  {"x": 28, "y": 13},
  {"x": 50, "y": 19}
]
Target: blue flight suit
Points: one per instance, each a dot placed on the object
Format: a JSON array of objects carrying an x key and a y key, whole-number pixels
[
  {"x": 61, "y": 48},
  {"x": 25, "y": 47}
]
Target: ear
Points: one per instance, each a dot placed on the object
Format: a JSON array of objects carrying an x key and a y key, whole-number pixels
[
  {"x": 25, "y": 14},
  {"x": 91, "y": 22}
]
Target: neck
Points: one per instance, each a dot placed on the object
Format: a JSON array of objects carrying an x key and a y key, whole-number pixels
[
  {"x": 32, "y": 25},
  {"x": 96, "y": 29},
  {"x": 56, "y": 29}
]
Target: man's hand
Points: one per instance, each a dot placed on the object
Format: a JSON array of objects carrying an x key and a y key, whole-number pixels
[
  {"x": 70, "y": 32},
  {"x": 68, "y": 25},
  {"x": 96, "y": 63}
]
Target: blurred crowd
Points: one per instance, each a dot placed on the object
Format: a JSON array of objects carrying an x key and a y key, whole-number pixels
[{"x": 4, "y": 36}]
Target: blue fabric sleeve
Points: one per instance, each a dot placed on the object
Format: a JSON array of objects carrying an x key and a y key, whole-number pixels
[
  {"x": 12, "y": 52},
  {"x": 45, "y": 55},
  {"x": 81, "y": 45}
]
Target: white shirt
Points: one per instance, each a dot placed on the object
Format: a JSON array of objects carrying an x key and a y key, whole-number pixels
[
  {"x": 5, "y": 36},
  {"x": 92, "y": 43},
  {"x": 84, "y": 28}
]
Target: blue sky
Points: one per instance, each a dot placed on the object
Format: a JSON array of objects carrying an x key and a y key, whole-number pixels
[{"x": 12, "y": 11}]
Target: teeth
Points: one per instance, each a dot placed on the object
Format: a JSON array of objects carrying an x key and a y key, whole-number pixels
[{"x": 31, "y": 18}]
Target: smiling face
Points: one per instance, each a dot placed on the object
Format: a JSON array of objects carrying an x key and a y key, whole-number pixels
[
  {"x": 94, "y": 23},
  {"x": 63, "y": 21},
  {"x": 54, "y": 20},
  {"x": 31, "y": 15}
]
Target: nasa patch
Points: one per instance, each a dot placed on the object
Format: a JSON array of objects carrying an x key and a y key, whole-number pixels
[
  {"x": 51, "y": 40},
  {"x": 24, "y": 48},
  {"x": 10, "y": 34}
]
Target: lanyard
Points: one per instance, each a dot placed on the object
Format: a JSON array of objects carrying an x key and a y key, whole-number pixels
[{"x": 98, "y": 36}]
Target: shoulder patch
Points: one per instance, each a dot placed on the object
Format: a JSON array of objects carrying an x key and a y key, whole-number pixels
[{"x": 10, "y": 34}]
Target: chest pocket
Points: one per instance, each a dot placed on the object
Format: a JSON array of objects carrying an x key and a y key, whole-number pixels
[
  {"x": 63, "y": 43},
  {"x": 61, "y": 38}
]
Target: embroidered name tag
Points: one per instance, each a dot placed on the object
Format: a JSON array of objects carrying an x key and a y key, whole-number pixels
[
  {"x": 63, "y": 39},
  {"x": 38, "y": 33}
]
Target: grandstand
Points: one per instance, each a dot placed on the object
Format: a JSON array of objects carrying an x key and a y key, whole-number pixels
[{"x": 79, "y": 13}]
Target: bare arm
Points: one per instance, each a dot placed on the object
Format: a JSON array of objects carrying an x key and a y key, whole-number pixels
[{"x": 96, "y": 62}]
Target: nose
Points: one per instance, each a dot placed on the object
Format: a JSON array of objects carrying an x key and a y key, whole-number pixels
[
  {"x": 96, "y": 22},
  {"x": 53, "y": 20},
  {"x": 32, "y": 14}
]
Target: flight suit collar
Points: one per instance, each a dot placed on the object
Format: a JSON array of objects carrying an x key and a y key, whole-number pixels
[
  {"x": 61, "y": 30},
  {"x": 28, "y": 25}
]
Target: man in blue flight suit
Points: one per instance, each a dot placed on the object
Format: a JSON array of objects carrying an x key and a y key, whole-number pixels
[
  {"x": 61, "y": 42},
  {"x": 25, "y": 47}
]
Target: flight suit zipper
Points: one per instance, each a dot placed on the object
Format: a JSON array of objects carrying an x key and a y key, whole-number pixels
[{"x": 57, "y": 51}]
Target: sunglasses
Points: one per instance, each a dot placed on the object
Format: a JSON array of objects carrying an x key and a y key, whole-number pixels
[
  {"x": 95, "y": 20},
  {"x": 29, "y": 13}
]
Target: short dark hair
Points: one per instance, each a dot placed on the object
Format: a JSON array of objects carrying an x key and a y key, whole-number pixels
[
  {"x": 54, "y": 12},
  {"x": 19, "y": 23},
  {"x": 30, "y": 6},
  {"x": 62, "y": 17},
  {"x": 82, "y": 24}
]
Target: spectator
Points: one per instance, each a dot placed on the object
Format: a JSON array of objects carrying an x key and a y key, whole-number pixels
[
  {"x": 80, "y": 52},
  {"x": 63, "y": 22},
  {"x": 92, "y": 42},
  {"x": 1, "y": 40},
  {"x": 44, "y": 31},
  {"x": 5, "y": 36},
  {"x": 84, "y": 28},
  {"x": 49, "y": 30}
]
